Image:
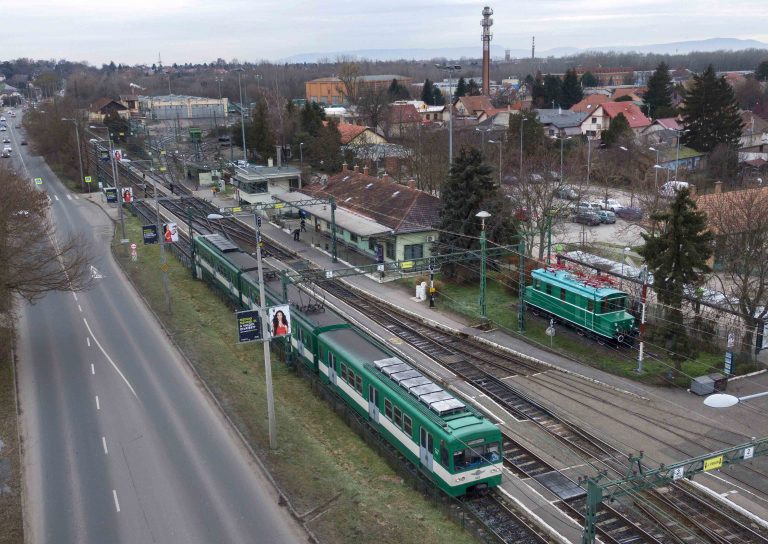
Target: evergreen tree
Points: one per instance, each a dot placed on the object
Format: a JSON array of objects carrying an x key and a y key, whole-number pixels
[
  {"x": 571, "y": 91},
  {"x": 761, "y": 73},
  {"x": 659, "y": 93},
  {"x": 589, "y": 80},
  {"x": 397, "y": 91},
  {"x": 428, "y": 93},
  {"x": 259, "y": 134},
  {"x": 538, "y": 93},
  {"x": 461, "y": 88},
  {"x": 312, "y": 117},
  {"x": 710, "y": 113},
  {"x": 533, "y": 134},
  {"x": 677, "y": 256},
  {"x": 617, "y": 131},
  {"x": 473, "y": 89},
  {"x": 437, "y": 97},
  {"x": 552, "y": 91},
  {"x": 325, "y": 148}
]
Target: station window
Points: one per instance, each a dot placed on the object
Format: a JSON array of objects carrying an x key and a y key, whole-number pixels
[
  {"x": 352, "y": 237},
  {"x": 372, "y": 244},
  {"x": 387, "y": 409},
  {"x": 413, "y": 251},
  {"x": 390, "y": 250},
  {"x": 407, "y": 425},
  {"x": 331, "y": 360},
  {"x": 398, "y": 419}
]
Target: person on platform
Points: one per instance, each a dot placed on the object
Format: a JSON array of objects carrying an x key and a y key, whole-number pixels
[
  {"x": 279, "y": 324},
  {"x": 296, "y": 233},
  {"x": 303, "y": 225}
]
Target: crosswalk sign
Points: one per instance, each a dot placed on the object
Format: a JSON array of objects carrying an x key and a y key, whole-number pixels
[
  {"x": 38, "y": 181},
  {"x": 88, "y": 179}
]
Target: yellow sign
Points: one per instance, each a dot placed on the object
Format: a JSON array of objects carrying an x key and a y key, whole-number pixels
[
  {"x": 234, "y": 210},
  {"x": 279, "y": 205},
  {"x": 713, "y": 463},
  {"x": 88, "y": 179},
  {"x": 406, "y": 264},
  {"x": 164, "y": 267},
  {"x": 163, "y": 169}
]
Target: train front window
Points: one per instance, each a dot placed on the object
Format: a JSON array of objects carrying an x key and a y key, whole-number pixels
[
  {"x": 476, "y": 456},
  {"x": 614, "y": 304}
]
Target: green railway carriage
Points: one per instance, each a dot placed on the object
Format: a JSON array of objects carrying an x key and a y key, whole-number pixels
[
  {"x": 451, "y": 442},
  {"x": 587, "y": 304}
]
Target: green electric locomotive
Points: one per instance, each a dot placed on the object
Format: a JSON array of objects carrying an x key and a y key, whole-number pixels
[
  {"x": 449, "y": 440},
  {"x": 590, "y": 305}
]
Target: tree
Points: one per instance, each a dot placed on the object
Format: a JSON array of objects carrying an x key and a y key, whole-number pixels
[
  {"x": 538, "y": 92},
  {"x": 259, "y": 134},
  {"x": 473, "y": 89},
  {"x": 618, "y": 130},
  {"x": 659, "y": 93},
  {"x": 533, "y": 135},
  {"x": 571, "y": 91},
  {"x": 437, "y": 97},
  {"x": 373, "y": 106},
  {"x": 397, "y": 91},
  {"x": 677, "y": 255},
  {"x": 349, "y": 78},
  {"x": 325, "y": 148},
  {"x": 469, "y": 185},
  {"x": 748, "y": 93},
  {"x": 761, "y": 72},
  {"x": 31, "y": 265},
  {"x": 588, "y": 79},
  {"x": 552, "y": 91},
  {"x": 461, "y": 88},
  {"x": 312, "y": 117},
  {"x": 710, "y": 113},
  {"x": 428, "y": 93}
]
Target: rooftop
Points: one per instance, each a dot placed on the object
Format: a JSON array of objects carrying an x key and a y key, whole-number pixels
[
  {"x": 561, "y": 118},
  {"x": 631, "y": 111},
  {"x": 253, "y": 171}
]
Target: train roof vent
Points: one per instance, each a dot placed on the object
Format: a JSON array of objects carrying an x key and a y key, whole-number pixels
[
  {"x": 419, "y": 386},
  {"x": 221, "y": 243}
]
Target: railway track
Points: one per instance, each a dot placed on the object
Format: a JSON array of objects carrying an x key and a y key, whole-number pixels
[{"x": 495, "y": 513}]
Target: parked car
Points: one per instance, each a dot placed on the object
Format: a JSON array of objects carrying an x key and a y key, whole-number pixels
[
  {"x": 586, "y": 218},
  {"x": 595, "y": 207},
  {"x": 610, "y": 204},
  {"x": 670, "y": 188},
  {"x": 606, "y": 216},
  {"x": 23, "y": 142},
  {"x": 629, "y": 213},
  {"x": 583, "y": 207},
  {"x": 568, "y": 193}
]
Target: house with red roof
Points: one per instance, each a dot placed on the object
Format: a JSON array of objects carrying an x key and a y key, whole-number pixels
[
  {"x": 472, "y": 106},
  {"x": 401, "y": 119},
  {"x": 374, "y": 216},
  {"x": 359, "y": 135},
  {"x": 600, "y": 119},
  {"x": 590, "y": 102}
]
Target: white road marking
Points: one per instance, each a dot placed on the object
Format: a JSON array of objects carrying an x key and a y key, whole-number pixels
[
  {"x": 56, "y": 197},
  {"x": 117, "y": 504},
  {"x": 98, "y": 406},
  {"x": 77, "y": 197},
  {"x": 104, "y": 443},
  {"x": 93, "y": 370},
  {"x": 88, "y": 341},
  {"x": 69, "y": 197},
  {"x": 74, "y": 295},
  {"x": 79, "y": 307},
  {"x": 110, "y": 359}
]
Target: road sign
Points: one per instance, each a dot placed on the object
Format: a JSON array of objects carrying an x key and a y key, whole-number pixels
[
  {"x": 95, "y": 274},
  {"x": 728, "y": 363},
  {"x": 164, "y": 267},
  {"x": 88, "y": 179},
  {"x": 38, "y": 181},
  {"x": 111, "y": 193},
  {"x": 248, "y": 326},
  {"x": 749, "y": 452},
  {"x": 133, "y": 247}
]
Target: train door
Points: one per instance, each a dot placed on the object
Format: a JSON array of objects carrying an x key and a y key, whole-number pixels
[
  {"x": 373, "y": 403},
  {"x": 426, "y": 446},
  {"x": 331, "y": 368}
]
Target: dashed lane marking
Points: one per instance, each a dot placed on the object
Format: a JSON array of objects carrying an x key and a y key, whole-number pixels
[
  {"x": 69, "y": 197},
  {"x": 93, "y": 369},
  {"x": 104, "y": 443},
  {"x": 117, "y": 503},
  {"x": 98, "y": 406}
]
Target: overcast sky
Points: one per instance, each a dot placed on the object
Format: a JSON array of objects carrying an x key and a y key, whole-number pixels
[{"x": 135, "y": 31}]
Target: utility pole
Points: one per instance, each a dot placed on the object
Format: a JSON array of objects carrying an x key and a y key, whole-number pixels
[
  {"x": 643, "y": 298},
  {"x": 521, "y": 280},
  {"x": 483, "y": 215},
  {"x": 450, "y": 69}
]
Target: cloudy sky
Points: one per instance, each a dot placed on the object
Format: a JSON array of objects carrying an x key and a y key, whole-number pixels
[{"x": 135, "y": 31}]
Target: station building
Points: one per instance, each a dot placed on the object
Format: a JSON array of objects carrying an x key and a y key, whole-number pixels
[
  {"x": 176, "y": 106},
  {"x": 258, "y": 184}
]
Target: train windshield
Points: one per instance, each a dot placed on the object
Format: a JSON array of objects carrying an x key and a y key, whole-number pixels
[
  {"x": 476, "y": 456},
  {"x": 614, "y": 304}
]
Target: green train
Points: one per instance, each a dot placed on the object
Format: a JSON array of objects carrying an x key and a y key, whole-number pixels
[
  {"x": 446, "y": 438},
  {"x": 587, "y": 304}
]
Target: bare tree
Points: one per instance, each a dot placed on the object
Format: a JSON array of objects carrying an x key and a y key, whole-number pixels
[
  {"x": 33, "y": 260},
  {"x": 739, "y": 220},
  {"x": 349, "y": 74}
]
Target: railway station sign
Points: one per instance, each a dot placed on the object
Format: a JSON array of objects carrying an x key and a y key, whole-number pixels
[
  {"x": 150, "y": 234},
  {"x": 713, "y": 463},
  {"x": 248, "y": 326}
]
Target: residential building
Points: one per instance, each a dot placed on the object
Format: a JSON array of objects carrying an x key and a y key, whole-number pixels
[
  {"x": 130, "y": 101},
  {"x": 634, "y": 93},
  {"x": 561, "y": 122},
  {"x": 401, "y": 119},
  {"x": 754, "y": 135},
  {"x": 106, "y": 106},
  {"x": 396, "y": 160},
  {"x": 258, "y": 184},
  {"x": 429, "y": 114},
  {"x": 374, "y": 216},
  {"x": 176, "y": 106},
  {"x": 358, "y": 135},
  {"x": 609, "y": 76},
  {"x": 331, "y": 91},
  {"x": 472, "y": 106},
  {"x": 662, "y": 131},
  {"x": 590, "y": 102},
  {"x": 600, "y": 119}
]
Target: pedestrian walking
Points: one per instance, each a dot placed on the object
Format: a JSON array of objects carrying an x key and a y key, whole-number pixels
[
  {"x": 303, "y": 225},
  {"x": 296, "y": 233}
]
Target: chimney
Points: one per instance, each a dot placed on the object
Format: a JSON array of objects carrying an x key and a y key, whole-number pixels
[
  {"x": 344, "y": 167},
  {"x": 718, "y": 187},
  {"x": 385, "y": 177},
  {"x": 692, "y": 189},
  {"x": 356, "y": 168},
  {"x": 412, "y": 183},
  {"x": 365, "y": 169},
  {"x": 270, "y": 162}
]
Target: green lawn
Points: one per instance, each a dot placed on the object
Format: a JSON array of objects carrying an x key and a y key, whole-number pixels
[
  {"x": 502, "y": 309},
  {"x": 12, "y": 531},
  {"x": 319, "y": 457}
]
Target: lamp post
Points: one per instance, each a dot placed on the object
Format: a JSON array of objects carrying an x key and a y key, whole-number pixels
[
  {"x": 116, "y": 179},
  {"x": 655, "y": 168},
  {"x": 500, "y": 155},
  {"x": 721, "y": 400},
  {"x": 483, "y": 215},
  {"x": 624, "y": 258},
  {"x": 242, "y": 112},
  {"x": 79, "y": 153},
  {"x": 562, "y": 149},
  {"x": 264, "y": 331},
  {"x": 483, "y": 131},
  {"x": 450, "y": 68},
  {"x": 522, "y": 120},
  {"x": 589, "y": 158},
  {"x": 677, "y": 158}
]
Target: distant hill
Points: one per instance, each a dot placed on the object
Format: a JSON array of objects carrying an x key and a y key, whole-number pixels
[{"x": 497, "y": 51}]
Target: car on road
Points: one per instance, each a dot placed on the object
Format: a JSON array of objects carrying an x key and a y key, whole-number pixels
[
  {"x": 23, "y": 142},
  {"x": 6, "y": 140},
  {"x": 629, "y": 213},
  {"x": 586, "y": 218},
  {"x": 3, "y": 129},
  {"x": 606, "y": 216},
  {"x": 610, "y": 204}
]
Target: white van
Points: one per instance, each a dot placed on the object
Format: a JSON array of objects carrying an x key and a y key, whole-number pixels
[{"x": 670, "y": 188}]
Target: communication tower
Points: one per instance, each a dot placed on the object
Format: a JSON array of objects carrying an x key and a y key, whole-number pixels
[{"x": 486, "y": 24}]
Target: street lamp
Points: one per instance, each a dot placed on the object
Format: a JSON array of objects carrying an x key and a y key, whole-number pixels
[
  {"x": 562, "y": 147},
  {"x": 483, "y": 215},
  {"x": 483, "y": 131},
  {"x": 79, "y": 153},
  {"x": 722, "y": 400},
  {"x": 242, "y": 112},
  {"x": 655, "y": 168},
  {"x": 450, "y": 68},
  {"x": 500, "y": 154},
  {"x": 624, "y": 258},
  {"x": 264, "y": 331},
  {"x": 116, "y": 179}
]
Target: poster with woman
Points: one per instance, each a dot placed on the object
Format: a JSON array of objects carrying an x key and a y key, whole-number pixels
[{"x": 279, "y": 321}]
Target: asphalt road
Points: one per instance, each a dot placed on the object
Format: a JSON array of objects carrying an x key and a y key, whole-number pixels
[{"x": 121, "y": 445}]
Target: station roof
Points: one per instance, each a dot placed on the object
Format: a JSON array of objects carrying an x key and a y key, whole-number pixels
[{"x": 346, "y": 219}]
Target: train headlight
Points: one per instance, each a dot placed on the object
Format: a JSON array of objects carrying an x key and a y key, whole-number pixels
[{"x": 461, "y": 478}]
